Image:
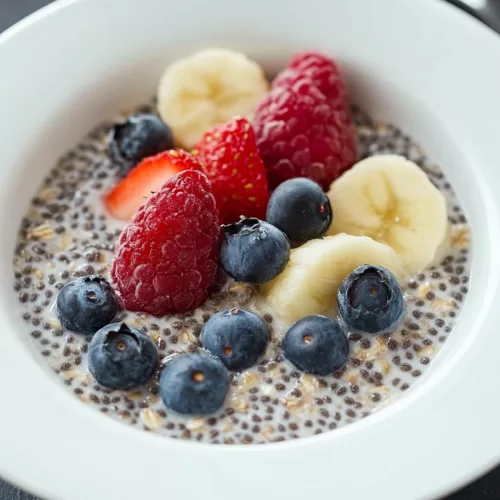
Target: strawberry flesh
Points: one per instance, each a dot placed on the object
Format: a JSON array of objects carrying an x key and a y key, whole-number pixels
[{"x": 147, "y": 178}]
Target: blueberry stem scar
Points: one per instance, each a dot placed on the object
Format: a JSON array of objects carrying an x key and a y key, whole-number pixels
[{"x": 198, "y": 377}]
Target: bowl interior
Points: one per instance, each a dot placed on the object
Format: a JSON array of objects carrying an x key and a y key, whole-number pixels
[
  {"x": 118, "y": 86},
  {"x": 60, "y": 81}
]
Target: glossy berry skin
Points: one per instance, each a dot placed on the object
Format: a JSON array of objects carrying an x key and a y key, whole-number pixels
[
  {"x": 121, "y": 357},
  {"x": 167, "y": 257},
  {"x": 316, "y": 344},
  {"x": 300, "y": 209},
  {"x": 231, "y": 160},
  {"x": 370, "y": 300},
  {"x": 254, "y": 251},
  {"x": 137, "y": 137},
  {"x": 238, "y": 338},
  {"x": 86, "y": 304},
  {"x": 194, "y": 384}
]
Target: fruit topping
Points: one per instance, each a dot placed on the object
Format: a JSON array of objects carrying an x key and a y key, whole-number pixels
[
  {"x": 194, "y": 384},
  {"x": 238, "y": 338},
  {"x": 147, "y": 178},
  {"x": 137, "y": 137},
  {"x": 371, "y": 301},
  {"x": 300, "y": 209},
  {"x": 301, "y": 132},
  {"x": 166, "y": 258},
  {"x": 121, "y": 357},
  {"x": 254, "y": 251},
  {"x": 86, "y": 304},
  {"x": 316, "y": 344},
  {"x": 206, "y": 89},
  {"x": 310, "y": 282},
  {"x": 231, "y": 159},
  {"x": 391, "y": 200},
  {"x": 322, "y": 71}
]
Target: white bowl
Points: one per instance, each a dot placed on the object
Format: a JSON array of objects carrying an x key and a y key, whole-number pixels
[{"x": 424, "y": 65}]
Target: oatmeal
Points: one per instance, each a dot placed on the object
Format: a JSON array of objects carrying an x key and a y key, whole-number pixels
[
  {"x": 70, "y": 235},
  {"x": 75, "y": 225}
]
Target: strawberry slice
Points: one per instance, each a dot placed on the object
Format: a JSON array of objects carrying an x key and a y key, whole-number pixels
[
  {"x": 232, "y": 162},
  {"x": 146, "y": 178}
]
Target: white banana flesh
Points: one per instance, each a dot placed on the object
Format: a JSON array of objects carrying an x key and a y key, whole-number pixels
[
  {"x": 391, "y": 200},
  {"x": 206, "y": 89}
]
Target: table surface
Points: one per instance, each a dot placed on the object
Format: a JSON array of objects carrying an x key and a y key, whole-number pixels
[{"x": 486, "y": 488}]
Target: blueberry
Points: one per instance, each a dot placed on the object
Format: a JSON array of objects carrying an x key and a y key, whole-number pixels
[
  {"x": 300, "y": 209},
  {"x": 121, "y": 357},
  {"x": 238, "y": 338},
  {"x": 316, "y": 344},
  {"x": 370, "y": 300},
  {"x": 254, "y": 251},
  {"x": 138, "y": 137},
  {"x": 86, "y": 304},
  {"x": 194, "y": 384}
]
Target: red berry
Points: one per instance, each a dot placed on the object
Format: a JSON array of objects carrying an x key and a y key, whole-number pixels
[
  {"x": 231, "y": 159},
  {"x": 167, "y": 257},
  {"x": 146, "y": 178},
  {"x": 300, "y": 134},
  {"x": 320, "y": 70}
]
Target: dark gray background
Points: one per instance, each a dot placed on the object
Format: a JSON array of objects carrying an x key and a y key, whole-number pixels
[{"x": 488, "y": 487}]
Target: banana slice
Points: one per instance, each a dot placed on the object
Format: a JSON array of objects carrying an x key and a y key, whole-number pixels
[
  {"x": 206, "y": 89},
  {"x": 309, "y": 283},
  {"x": 391, "y": 200}
]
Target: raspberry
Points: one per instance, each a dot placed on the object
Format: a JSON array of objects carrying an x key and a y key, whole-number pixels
[
  {"x": 231, "y": 159},
  {"x": 167, "y": 257},
  {"x": 321, "y": 71},
  {"x": 300, "y": 134}
]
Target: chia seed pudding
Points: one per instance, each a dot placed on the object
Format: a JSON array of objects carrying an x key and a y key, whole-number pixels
[{"x": 66, "y": 233}]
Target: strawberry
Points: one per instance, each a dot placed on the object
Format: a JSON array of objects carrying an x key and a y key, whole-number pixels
[
  {"x": 231, "y": 160},
  {"x": 146, "y": 178}
]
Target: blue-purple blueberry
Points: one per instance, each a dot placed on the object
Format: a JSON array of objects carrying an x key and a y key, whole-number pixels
[
  {"x": 370, "y": 300},
  {"x": 238, "y": 338},
  {"x": 194, "y": 384},
  {"x": 122, "y": 357},
  {"x": 254, "y": 251},
  {"x": 86, "y": 304},
  {"x": 316, "y": 344},
  {"x": 300, "y": 209},
  {"x": 137, "y": 137}
]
